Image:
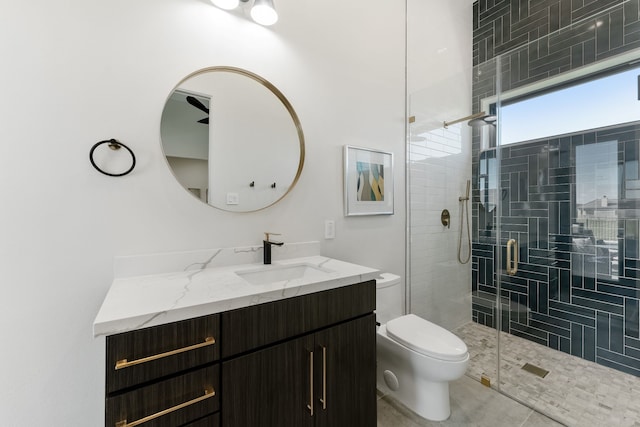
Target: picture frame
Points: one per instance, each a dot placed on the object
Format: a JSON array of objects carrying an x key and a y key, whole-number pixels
[{"x": 368, "y": 181}]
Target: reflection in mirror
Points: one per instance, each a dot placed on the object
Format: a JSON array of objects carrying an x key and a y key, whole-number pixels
[
  {"x": 594, "y": 234},
  {"x": 488, "y": 179},
  {"x": 488, "y": 190},
  {"x": 232, "y": 139},
  {"x": 186, "y": 142}
]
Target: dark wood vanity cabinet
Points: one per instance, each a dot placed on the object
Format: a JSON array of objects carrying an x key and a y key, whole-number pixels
[
  {"x": 325, "y": 378},
  {"x": 309, "y": 361},
  {"x": 296, "y": 362}
]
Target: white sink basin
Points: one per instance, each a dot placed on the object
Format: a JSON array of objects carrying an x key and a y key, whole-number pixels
[{"x": 279, "y": 273}]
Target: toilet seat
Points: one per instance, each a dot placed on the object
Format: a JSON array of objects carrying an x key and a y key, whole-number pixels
[{"x": 426, "y": 338}]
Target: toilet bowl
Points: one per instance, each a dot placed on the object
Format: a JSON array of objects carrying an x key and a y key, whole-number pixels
[{"x": 416, "y": 359}]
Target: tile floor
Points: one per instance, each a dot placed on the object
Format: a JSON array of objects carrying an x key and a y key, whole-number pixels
[
  {"x": 576, "y": 392},
  {"x": 472, "y": 404}
]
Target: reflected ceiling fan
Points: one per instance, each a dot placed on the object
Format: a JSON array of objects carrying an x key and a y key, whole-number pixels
[{"x": 200, "y": 106}]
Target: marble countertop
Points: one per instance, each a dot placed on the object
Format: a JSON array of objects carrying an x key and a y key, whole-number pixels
[{"x": 148, "y": 300}]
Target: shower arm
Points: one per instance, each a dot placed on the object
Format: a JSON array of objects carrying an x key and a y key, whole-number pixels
[{"x": 471, "y": 117}]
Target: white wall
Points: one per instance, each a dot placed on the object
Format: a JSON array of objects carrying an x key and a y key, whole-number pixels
[
  {"x": 439, "y": 168},
  {"x": 76, "y": 72},
  {"x": 439, "y": 89},
  {"x": 192, "y": 173}
]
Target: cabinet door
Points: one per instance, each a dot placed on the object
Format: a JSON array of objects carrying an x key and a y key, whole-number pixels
[
  {"x": 270, "y": 387},
  {"x": 345, "y": 374}
]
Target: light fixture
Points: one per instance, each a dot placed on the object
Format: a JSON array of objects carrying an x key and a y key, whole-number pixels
[
  {"x": 263, "y": 12},
  {"x": 226, "y": 4}
]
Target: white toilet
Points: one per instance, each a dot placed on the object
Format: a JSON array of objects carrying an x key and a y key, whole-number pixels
[{"x": 416, "y": 359}]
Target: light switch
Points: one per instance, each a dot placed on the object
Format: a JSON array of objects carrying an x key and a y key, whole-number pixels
[
  {"x": 329, "y": 229},
  {"x": 233, "y": 198}
]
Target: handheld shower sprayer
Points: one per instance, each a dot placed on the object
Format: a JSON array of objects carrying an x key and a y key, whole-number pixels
[
  {"x": 466, "y": 197},
  {"x": 464, "y": 201}
]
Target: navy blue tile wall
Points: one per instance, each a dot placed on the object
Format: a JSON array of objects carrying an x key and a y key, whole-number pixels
[
  {"x": 568, "y": 294},
  {"x": 500, "y": 26},
  {"x": 574, "y": 298}
]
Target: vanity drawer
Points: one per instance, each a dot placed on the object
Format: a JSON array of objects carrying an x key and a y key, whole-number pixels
[
  {"x": 245, "y": 329},
  {"x": 210, "y": 421},
  {"x": 172, "y": 402},
  {"x": 144, "y": 355}
]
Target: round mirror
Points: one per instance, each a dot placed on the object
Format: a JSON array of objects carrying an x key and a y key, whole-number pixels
[{"x": 232, "y": 139}]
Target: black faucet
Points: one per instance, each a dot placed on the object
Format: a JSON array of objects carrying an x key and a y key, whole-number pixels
[{"x": 266, "y": 243}]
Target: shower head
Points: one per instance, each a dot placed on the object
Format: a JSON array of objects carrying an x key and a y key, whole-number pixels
[{"x": 489, "y": 119}]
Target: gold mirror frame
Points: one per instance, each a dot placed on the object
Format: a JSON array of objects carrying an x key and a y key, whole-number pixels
[{"x": 285, "y": 102}]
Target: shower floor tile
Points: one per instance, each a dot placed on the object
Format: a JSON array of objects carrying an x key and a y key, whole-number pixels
[
  {"x": 576, "y": 392},
  {"x": 472, "y": 404}
]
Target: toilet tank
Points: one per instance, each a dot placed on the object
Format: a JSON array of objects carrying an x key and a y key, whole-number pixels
[{"x": 389, "y": 297}]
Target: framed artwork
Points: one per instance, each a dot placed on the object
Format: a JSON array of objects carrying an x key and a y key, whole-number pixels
[{"x": 368, "y": 181}]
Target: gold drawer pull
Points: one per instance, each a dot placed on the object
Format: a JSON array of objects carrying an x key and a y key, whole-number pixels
[
  {"x": 207, "y": 394},
  {"x": 121, "y": 364}
]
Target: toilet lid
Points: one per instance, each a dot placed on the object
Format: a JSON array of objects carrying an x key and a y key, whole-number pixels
[{"x": 426, "y": 338}]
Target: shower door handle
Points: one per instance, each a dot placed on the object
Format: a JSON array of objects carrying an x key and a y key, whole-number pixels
[{"x": 512, "y": 263}]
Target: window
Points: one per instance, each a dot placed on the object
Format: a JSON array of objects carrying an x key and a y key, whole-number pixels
[{"x": 607, "y": 100}]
